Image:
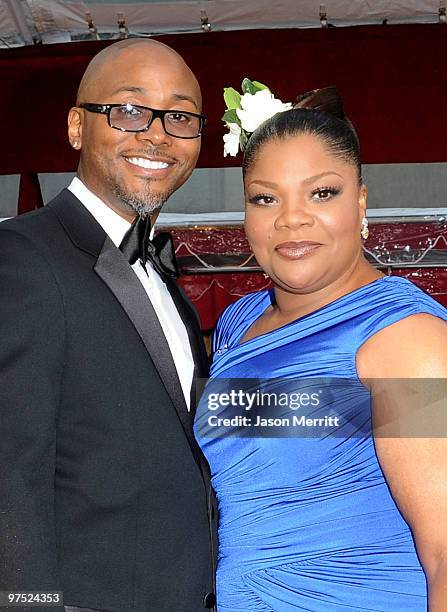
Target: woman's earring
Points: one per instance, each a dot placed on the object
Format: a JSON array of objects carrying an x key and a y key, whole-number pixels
[
  {"x": 74, "y": 144},
  {"x": 364, "y": 232}
]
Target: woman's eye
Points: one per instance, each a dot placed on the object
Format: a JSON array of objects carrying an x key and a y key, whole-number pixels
[
  {"x": 325, "y": 193},
  {"x": 262, "y": 200}
]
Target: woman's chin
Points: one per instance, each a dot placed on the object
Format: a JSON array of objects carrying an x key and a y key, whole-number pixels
[{"x": 296, "y": 285}]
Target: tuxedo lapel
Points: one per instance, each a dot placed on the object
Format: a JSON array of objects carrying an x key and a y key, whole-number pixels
[
  {"x": 114, "y": 270},
  {"x": 190, "y": 320}
]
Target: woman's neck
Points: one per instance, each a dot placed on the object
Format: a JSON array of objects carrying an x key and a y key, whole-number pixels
[{"x": 290, "y": 305}]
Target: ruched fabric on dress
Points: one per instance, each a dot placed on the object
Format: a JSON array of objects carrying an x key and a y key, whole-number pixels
[{"x": 308, "y": 523}]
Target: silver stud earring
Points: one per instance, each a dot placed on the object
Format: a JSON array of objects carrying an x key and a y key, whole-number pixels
[
  {"x": 74, "y": 144},
  {"x": 364, "y": 232}
]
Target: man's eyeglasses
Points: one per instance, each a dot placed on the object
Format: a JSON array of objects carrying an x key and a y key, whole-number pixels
[{"x": 133, "y": 118}]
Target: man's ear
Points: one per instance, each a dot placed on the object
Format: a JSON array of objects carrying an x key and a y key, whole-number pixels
[{"x": 75, "y": 127}]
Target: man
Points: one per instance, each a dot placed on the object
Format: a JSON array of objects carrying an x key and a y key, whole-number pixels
[{"x": 104, "y": 494}]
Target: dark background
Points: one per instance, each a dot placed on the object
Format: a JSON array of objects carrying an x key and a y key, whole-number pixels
[{"x": 392, "y": 79}]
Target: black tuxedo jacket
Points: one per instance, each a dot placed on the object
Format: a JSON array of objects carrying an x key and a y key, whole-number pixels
[{"x": 104, "y": 493}]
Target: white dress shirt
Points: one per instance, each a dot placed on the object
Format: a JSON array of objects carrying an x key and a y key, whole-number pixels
[{"x": 168, "y": 316}]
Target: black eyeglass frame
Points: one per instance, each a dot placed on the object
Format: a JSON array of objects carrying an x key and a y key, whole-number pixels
[{"x": 105, "y": 109}]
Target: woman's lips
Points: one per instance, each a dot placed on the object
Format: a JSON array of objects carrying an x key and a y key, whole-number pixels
[{"x": 297, "y": 250}]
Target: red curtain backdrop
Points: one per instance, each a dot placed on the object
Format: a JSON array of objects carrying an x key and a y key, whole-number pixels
[
  {"x": 407, "y": 242},
  {"x": 392, "y": 79},
  {"x": 30, "y": 195}
]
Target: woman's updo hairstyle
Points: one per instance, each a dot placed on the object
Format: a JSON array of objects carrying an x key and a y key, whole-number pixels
[{"x": 317, "y": 113}]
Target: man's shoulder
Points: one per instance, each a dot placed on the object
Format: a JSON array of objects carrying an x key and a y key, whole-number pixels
[
  {"x": 34, "y": 222},
  {"x": 27, "y": 233},
  {"x": 64, "y": 219},
  {"x": 49, "y": 231}
]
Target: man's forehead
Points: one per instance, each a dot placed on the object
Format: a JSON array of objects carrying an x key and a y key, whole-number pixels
[
  {"x": 175, "y": 96},
  {"x": 137, "y": 68},
  {"x": 175, "y": 91}
]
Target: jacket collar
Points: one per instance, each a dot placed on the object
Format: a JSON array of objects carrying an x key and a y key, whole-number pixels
[
  {"x": 82, "y": 228},
  {"x": 114, "y": 270}
]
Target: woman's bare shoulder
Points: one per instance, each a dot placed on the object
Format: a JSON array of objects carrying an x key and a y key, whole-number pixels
[{"x": 415, "y": 346}]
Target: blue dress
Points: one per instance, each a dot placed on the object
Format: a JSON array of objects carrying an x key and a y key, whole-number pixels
[{"x": 306, "y": 521}]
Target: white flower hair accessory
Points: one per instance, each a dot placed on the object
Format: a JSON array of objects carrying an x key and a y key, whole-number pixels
[{"x": 246, "y": 112}]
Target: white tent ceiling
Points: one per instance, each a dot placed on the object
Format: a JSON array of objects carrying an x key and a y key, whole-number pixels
[{"x": 26, "y": 22}]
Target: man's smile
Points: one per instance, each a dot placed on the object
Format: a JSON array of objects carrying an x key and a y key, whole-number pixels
[
  {"x": 143, "y": 162},
  {"x": 150, "y": 165}
]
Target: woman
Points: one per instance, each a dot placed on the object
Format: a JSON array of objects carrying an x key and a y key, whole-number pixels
[{"x": 325, "y": 522}]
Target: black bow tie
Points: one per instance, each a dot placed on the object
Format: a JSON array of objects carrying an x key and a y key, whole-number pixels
[{"x": 137, "y": 244}]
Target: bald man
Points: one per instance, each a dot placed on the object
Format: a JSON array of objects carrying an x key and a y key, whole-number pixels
[{"x": 104, "y": 493}]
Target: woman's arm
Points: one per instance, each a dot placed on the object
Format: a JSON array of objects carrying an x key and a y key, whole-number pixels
[{"x": 405, "y": 365}]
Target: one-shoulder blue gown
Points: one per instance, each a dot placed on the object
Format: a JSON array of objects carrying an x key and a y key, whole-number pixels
[{"x": 308, "y": 523}]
